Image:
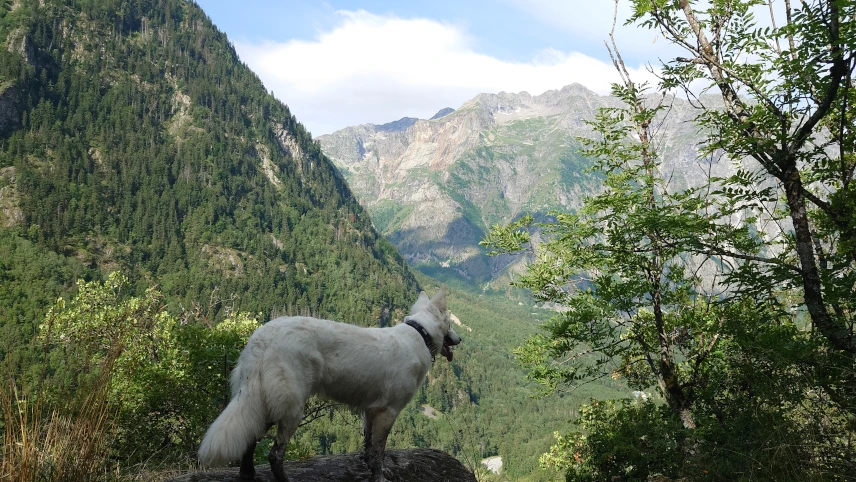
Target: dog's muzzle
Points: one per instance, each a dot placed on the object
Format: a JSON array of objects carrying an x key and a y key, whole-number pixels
[{"x": 450, "y": 340}]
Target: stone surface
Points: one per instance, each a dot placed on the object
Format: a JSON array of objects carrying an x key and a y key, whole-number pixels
[{"x": 411, "y": 465}]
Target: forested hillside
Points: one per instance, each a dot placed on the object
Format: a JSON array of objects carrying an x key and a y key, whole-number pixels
[
  {"x": 133, "y": 138},
  {"x": 139, "y": 154},
  {"x": 134, "y": 141}
]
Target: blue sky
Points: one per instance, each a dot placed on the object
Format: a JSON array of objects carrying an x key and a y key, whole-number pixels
[{"x": 341, "y": 63}]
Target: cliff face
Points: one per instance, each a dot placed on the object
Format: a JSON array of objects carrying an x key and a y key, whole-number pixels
[{"x": 436, "y": 187}]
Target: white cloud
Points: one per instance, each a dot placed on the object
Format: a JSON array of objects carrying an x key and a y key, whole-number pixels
[
  {"x": 590, "y": 21},
  {"x": 378, "y": 68}
]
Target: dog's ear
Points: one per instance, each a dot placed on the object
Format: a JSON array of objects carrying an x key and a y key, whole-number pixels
[
  {"x": 421, "y": 303},
  {"x": 439, "y": 299}
]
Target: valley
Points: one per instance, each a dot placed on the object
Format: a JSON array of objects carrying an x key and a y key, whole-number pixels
[
  {"x": 144, "y": 161},
  {"x": 158, "y": 204}
]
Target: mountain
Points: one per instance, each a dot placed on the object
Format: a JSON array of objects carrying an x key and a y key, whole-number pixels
[
  {"x": 442, "y": 113},
  {"x": 436, "y": 187},
  {"x": 133, "y": 138}
]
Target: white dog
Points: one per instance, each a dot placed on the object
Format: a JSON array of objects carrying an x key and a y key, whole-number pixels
[{"x": 374, "y": 370}]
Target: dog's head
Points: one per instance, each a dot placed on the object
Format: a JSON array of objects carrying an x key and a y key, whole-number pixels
[{"x": 433, "y": 314}]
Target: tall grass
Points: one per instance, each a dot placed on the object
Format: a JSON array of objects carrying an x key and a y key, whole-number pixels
[{"x": 53, "y": 434}]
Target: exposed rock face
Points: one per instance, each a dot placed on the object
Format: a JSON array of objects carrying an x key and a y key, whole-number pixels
[
  {"x": 413, "y": 465},
  {"x": 10, "y": 213},
  {"x": 19, "y": 42},
  {"x": 436, "y": 187}
]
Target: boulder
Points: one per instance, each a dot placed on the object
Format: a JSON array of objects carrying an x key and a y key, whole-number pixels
[{"x": 410, "y": 465}]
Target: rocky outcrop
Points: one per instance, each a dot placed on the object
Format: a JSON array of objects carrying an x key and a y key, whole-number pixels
[
  {"x": 18, "y": 42},
  {"x": 10, "y": 213},
  {"x": 435, "y": 187},
  {"x": 412, "y": 465},
  {"x": 289, "y": 145}
]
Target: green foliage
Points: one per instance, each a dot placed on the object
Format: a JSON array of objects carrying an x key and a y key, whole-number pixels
[
  {"x": 620, "y": 440},
  {"x": 698, "y": 292},
  {"x": 787, "y": 104},
  {"x": 626, "y": 291},
  {"x": 387, "y": 215},
  {"x": 32, "y": 277},
  {"x": 508, "y": 238},
  {"x": 167, "y": 378}
]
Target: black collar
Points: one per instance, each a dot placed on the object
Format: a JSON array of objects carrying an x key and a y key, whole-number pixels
[{"x": 425, "y": 337}]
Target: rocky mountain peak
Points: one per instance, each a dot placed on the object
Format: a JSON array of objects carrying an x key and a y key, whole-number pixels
[
  {"x": 397, "y": 126},
  {"x": 442, "y": 113},
  {"x": 437, "y": 186}
]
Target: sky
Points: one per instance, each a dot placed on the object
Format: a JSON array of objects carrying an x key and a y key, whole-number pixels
[{"x": 349, "y": 62}]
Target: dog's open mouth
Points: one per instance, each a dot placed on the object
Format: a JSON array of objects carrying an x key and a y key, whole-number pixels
[{"x": 448, "y": 343}]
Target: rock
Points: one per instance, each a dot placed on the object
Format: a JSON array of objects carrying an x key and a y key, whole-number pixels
[{"x": 411, "y": 465}]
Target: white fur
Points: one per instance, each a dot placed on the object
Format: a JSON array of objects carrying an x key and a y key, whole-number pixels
[{"x": 374, "y": 370}]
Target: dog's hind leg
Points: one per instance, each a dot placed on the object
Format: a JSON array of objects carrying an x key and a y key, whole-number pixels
[
  {"x": 248, "y": 470},
  {"x": 381, "y": 424},
  {"x": 285, "y": 428}
]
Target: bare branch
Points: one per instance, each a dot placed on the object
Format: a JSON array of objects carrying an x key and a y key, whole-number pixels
[{"x": 773, "y": 20}]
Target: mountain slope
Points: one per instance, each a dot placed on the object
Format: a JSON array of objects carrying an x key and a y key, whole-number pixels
[
  {"x": 436, "y": 187},
  {"x": 133, "y": 138}
]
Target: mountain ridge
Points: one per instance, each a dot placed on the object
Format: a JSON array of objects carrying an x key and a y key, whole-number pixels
[
  {"x": 436, "y": 187},
  {"x": 136, "y": 139}
]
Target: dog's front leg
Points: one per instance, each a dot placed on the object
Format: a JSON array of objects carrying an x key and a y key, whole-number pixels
[
  {"x": 368, "y": 419},
  {"x": 381, "y": 424}
]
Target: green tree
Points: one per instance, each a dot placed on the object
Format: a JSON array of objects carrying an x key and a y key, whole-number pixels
[
  {"x": 628, "y": 266},
  {"x": 631, "y": 298},
  {"x": 787, "y": 104}
]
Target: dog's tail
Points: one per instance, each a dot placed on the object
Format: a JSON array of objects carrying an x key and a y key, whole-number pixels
[{"x": 243, "y": 421}]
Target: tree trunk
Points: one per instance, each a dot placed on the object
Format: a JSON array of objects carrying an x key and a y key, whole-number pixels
[{"x": 836, "y": 332}]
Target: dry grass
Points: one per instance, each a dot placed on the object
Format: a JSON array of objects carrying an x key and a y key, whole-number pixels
[{"x": 57, "y": 439}]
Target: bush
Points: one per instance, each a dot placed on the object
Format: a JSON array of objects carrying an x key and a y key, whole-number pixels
[
  {"x": 116, "y": 381},
  {"x": 620, "y": 440}
]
